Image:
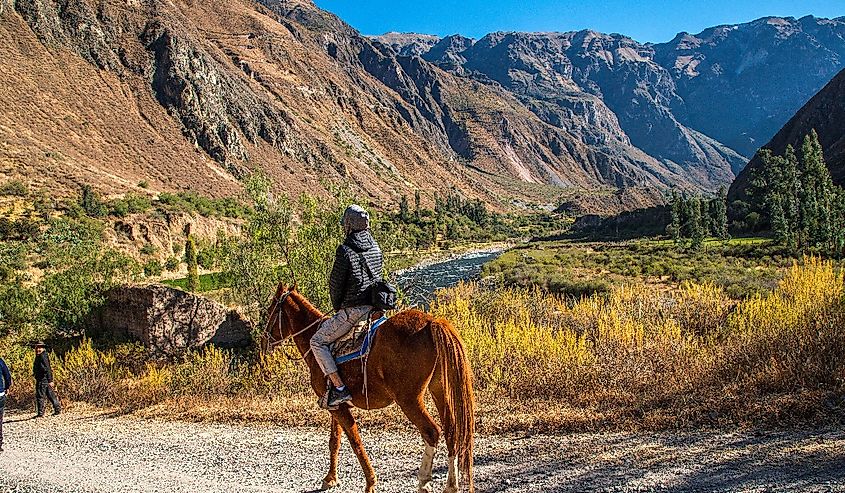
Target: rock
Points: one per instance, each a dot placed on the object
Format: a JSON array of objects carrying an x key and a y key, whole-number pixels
[
  {"x": 408, "y": 44},
  {"x": 169, "y": 321},
  {"x": 589, "y": 221}
]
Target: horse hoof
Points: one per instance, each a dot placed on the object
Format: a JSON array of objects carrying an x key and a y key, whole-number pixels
[
  {"x": 450, "y": 489},
  {"x": 424, "y": 489},
  {"x": 327, "y": 485}
]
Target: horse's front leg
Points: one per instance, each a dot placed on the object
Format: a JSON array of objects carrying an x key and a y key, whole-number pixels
[
  {"x": 330, "y": 481},
  {"x": 347, "y": 422}
]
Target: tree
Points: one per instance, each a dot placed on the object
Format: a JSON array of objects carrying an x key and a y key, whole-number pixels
[
  {"x": 696, "y": 226},
  {"x": 720, "y": 214},
  {"x": 704, "y": 214},
  {"x": 404, "y": 213},
  {"x": 90, "y": 202},
  {"x": 417, "y": 206},
  {"x": 674, "y": 229},
  {"x": 79, "y": 269},
  {"x": 252, "y": 262},
  {"x": 191, "y": 260},
  {"x": 791, "y": 199}
]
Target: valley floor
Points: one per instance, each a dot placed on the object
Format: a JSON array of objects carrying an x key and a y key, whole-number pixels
[{"x": 96, "y": 452}]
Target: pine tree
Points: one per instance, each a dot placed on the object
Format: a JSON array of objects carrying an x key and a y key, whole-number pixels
[
  {"x": 686, "y": 217},
  {"x": 779, "y": 221},
  {"x": 704, "y": 213},
  {"x": 191, "y": 260},
  {"x": 404, "y": 213},
  {"x": 791, "y": 199},
  {"x": 695, "y": 223},
  {"x": 720, "y": 214},
  {"x": 417, "y": 206},
  {"x": 674, "y": 229}
]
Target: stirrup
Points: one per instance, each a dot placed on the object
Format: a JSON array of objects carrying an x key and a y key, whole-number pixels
[{"x": 323, "y": 401}]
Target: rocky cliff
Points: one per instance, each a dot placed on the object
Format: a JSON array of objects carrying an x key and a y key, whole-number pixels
[
  {"x": 194, "y": 94},
  {"x": 741, "y": 83}
]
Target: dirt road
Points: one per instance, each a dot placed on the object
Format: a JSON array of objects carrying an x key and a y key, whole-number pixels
[{"x": 101, "y": 453}]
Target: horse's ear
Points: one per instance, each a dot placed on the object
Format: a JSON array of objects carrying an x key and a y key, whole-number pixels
[
  {"x": 294, "y": 287},
  {"x": 280, "y": 289}
]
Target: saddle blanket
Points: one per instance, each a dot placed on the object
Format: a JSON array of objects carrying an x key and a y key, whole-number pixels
[{"x": 357, "y": 343}]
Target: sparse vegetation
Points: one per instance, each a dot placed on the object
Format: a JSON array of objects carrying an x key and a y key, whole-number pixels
[
  {"x": 740, "y": 267},
  {"x": 632, "y": 358}
]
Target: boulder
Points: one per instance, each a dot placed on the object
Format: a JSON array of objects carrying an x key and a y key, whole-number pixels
[{"x": 169, "y": 321}]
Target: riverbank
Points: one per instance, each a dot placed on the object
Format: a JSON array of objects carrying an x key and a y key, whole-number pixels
[{"x": 418, "y": 259}]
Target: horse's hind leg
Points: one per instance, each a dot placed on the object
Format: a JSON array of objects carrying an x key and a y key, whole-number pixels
[
  {"x": 347, "y": 422},
  {"x": 330, "y": 481},
  {"x": 415, "y": 410},
  {"x": 438, "y": 395}
]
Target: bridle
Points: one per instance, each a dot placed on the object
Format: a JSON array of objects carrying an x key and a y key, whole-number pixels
[{"x": 273, "y": 343}]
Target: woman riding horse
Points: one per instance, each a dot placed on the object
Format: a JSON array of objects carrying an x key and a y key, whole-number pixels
[
  {"x": 352, "y": 275},
  {"x": 412, "y": 353}
]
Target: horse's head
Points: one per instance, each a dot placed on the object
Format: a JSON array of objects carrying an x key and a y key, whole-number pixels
[{"x": 277, "y": 329}]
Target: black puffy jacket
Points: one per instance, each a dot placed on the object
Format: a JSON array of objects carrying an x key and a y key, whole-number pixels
[
  {"x": 349, "y": 279},
  {"x": 41, "y": 367}
]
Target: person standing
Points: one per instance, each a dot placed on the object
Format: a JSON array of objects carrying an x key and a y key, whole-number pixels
[
  {"x": 44, "y": 385},
  {"x": 6, "y": 384}
]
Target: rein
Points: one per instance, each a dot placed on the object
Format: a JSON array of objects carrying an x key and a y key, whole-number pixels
[{"x": 271, "y": 344}]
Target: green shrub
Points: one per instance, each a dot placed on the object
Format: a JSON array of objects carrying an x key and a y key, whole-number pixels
[
  {"x": 171, "y": 264},
  {"x": 14, "y": 188},
  {"x": 148, "y": 249},
  {"x": 152, "y": 268}
]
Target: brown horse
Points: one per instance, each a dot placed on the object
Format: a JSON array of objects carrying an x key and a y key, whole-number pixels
[{"x": 411, "y": 352}]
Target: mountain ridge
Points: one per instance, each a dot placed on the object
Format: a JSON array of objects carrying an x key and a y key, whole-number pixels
[
  {"x": 689, "y": 81},
  {"x": 196, "y": 94},
  {"x": 824, "y": 113}
]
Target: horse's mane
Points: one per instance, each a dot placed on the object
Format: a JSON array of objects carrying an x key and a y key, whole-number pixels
[{"x": 304, "y": 304}]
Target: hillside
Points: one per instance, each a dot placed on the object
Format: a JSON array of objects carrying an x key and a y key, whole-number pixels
[
  {"x": 824, "y": 113},
  {"x": 195, "y": 94}
]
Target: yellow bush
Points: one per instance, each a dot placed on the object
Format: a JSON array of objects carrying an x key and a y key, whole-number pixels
[{"x": 639, "y": 347}]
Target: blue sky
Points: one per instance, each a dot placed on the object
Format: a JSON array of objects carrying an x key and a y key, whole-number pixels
[{"x": 647, "y": 20}]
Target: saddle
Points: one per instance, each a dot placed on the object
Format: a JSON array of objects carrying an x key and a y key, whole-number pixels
[{"x": 357, "y": 342}]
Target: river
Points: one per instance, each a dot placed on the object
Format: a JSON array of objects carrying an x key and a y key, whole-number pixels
[{"x": 420, "y": 282}]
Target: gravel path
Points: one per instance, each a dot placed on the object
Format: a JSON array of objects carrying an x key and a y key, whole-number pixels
[{"x": 101, "y": 453}]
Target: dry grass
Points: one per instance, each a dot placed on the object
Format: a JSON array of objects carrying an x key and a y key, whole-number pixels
[{"x": 634, "y": 359}]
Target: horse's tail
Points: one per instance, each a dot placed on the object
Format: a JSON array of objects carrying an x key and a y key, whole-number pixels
[{"x": 459, "y": 403}]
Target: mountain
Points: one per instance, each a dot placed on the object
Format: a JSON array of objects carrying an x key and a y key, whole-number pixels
[
  {"x": 608, "y": 89},
  {"x": 669, "y": 100},
  {"x": 194, "y": 94},
  {"x": 409, "y": 44},
  {"x": 764, "y": 71},
  {"x": 824, "y": 113}
]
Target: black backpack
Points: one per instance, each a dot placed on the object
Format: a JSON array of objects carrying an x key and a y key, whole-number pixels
[{"x": 383, "y": 295}]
